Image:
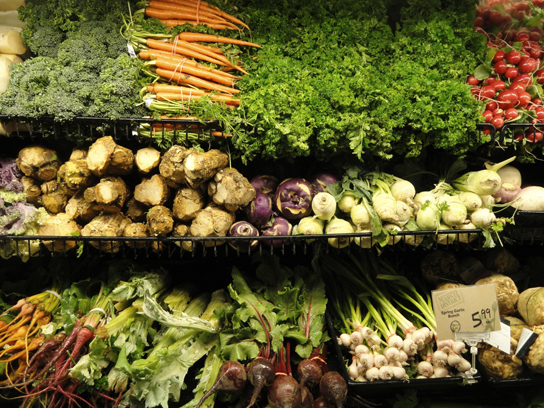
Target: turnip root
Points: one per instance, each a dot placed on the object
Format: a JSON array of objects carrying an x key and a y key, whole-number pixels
[
  {"x": 333, "y": 388},
  {"x": 109, "y": 195},
  {"x": 135, "y": 210},
  {"x": 231, "y": 189},
  {"x": 38, "y": 162},
  {"x": 107, "y": 158},
  {"x": 285, "y": 392},
  {"x": 261, "y": 373},
  {"x": 152, "y": 191},
  {"x": 507, "y": 193},
  {"x": 507, "y": 292},
  {"x": 32, "y": 189},
  {"x": 54, "y": 196},
  {"x": 212, "y": 221},
  {"x": 103, "y": 226},
  {"x": 79, "y": 209},
  {"x": 171, "y": 166},
  {"x": 182, "y": 230},
  {"x": 531, "y": 306},
  {"x": 510, "y": 174},
  {"x": 76, "y": 174},
  {"x": 231, "y": 378},
  {"x": 147, "y": 159},
  {"x": 160, "y": 221},
  {"x": 529, "y": 199},
  {"x": 188, "y": 202},
  {"x": 60, "y": 225},
  {"x": 202, "y": 166},
  {"x": 135, "y": 230}
]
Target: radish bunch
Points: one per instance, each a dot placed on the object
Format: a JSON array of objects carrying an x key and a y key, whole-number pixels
[{"x": 509, "y": 82}]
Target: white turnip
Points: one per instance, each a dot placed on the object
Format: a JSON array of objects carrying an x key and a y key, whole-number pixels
[
  {"x": 529, "y": 199},
  {"x": 510, "y": 174}
]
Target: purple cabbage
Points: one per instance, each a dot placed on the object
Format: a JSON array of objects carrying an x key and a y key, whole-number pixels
[
  {"x": 10, "y": 176},
  {"x": 243, "y": 229},
  {"x": 12, "y": 220},
  {"x": 277, "y": 226},
  {"x": 259, "y": 210},
  {"x": 320, "y": 181},
  {"x": 264, "y": 184},
  {"x": 293, "y": 198}
]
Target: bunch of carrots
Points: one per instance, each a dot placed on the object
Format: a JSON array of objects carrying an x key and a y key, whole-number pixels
[
  {"x": 187, "y": 66},
  {"x": 43, "y": 376},
  {"x": 20, "y": 333}
]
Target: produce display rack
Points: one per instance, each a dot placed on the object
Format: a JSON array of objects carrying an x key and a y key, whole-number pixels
[
  {"x": 95, "y": 127},
  {"x": 507, "y": 134}
]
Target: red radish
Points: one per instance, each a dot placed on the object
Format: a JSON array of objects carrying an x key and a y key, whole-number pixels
[
  {"x": 284, "y": 392},
  {"x": 475, "y": 91},
  {"x": 540, "y": 76},
  {"x": 309, "y": 372},
  {"x": 536, "y": 101},
  {"x": 488, "y": 115},
  {"x": 511, "y": 72},
  {"x": 472, "y": 80},
  {"x": 333, "y": 388},
  {"x": 490, "y": 80},
  {"x": 513, "y": 57},
  {"x": 261, "y": 373},
  {"x": 498, "y": 112},
  {"x": 524, "y": 79},
  {"x": 511, "y": 113},
  {"x": 497, "y": 122},
  {"x": 500, "y": 67},
  {"x": 491, "y": 106},
  {"x": 523, "y": 99},
  {"x": 518, "y": 87},
  {"x": 539, "y": 111},
  {"x": 499, "y": 85},
  {"x": 527, "y": 65},
  {"x": 533, "y": 136},
  {"x": 499, "y": 56},
  {"x": 231, "y": 378}
]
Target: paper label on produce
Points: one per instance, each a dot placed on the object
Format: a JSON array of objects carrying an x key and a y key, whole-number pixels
[
  {"x": 500, "y": 339},
  {"x": 470, "y": 309},
  {"x": 131, "y": 51},
  {"x": 526, "y": 340}
]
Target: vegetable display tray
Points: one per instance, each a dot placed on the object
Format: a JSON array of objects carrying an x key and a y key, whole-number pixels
[
  {"x": 514, "y": 132},
  {"x": 94, "y": 127},
  {"x": 429, "y": 386},
  {"x": 40, "y": 245},
  {"x": 524, "y": 218}
]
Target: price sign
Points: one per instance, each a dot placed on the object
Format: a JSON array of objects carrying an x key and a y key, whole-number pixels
[{"x": 471, "y": 309}]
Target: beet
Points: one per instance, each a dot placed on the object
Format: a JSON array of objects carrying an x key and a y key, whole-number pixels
[
  {"x": 307, "y": 398},
  {"x": 231, "y": 378},
  {"x": 284, "y": 392},
  {"x": 322, "y": 403},
  {"x": 261, "y": 373},
  {"x": 309, "y": 372},
  {"x": 333, "y": 388}
]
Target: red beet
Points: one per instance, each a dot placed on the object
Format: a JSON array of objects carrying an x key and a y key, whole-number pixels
[
  {"x": 333, "y": 388},
  {"x": 261, "y": 373},
  {"x": 322, "y": 403},
  {"x": 307, "y": 398},
  {"x": 232, "y": 378},
  {"x": 309, "y": 372},
  {"x": 284, "y": 392}
]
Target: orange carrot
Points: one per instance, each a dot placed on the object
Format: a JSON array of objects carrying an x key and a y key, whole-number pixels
[
  {"x": 163, "y": 5},
  {"x": 164, "y": 46},
  {"x": 214, "y": 38},
  {"x": 174, "y": 23},
  {"x": 173, "y": 88},
  {"x": 217, "y": 133},
  {"x": 154, "y": 54},
  {"x": 209, "y": 7},
  {"x": 197, "y": 48},
  {"x": 191, "y": 80},
  {"x": 163, "y": 96},
  {"x": 178, "y": 15},
  {"x": 162, "y": 62}
]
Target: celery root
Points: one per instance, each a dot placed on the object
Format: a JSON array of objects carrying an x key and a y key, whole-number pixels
[
  {"x": 231, "y": 189},
  {"x": 60, "y": 225},
  {"x": 152, "y": 191},
  {"x": 202, "y": 166},
  {"x": 38, "y": 162},
  {"x": 188, "y": 202}
]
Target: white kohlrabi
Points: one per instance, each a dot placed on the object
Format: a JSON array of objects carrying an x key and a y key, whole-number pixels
[
  {"x": 309, "y": 226},
  {"x": 403, "y": 190},
  {"x": 472, "y": 201},
  {"x": 360, "y": 216},
  {"x": 347, "y": 201},
  {"x": 428, "y": 216},
  {"x": 423, "y": 196},
  {"x": 483, "y": 218},
  {"x": 324, "y": 206},
  {"x": 339, "y": 226},
  {"x": 455, "y": 212}
]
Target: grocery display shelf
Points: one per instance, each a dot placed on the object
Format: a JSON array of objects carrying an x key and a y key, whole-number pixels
[
  {"x": 37, "y": 245},
  {"x": 94, "y": 127},
  {"x": 513, "y": 132}
]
